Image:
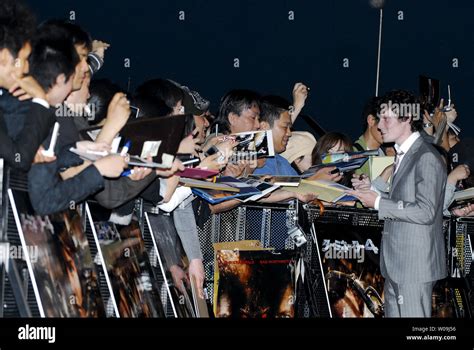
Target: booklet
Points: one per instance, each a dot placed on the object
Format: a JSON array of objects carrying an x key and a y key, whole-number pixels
[
  {"x": 378, "y": 164},
  {"x": 215, "y": 196},
  {"x": 327, "y": 191},
  {"x": 462, "y": 198},
  {"x": 264, "y": 187},
  {"x": 148, "y": 137},
  {"x": 341, "y": 166},
  {"x": 167, "y": 160},
  {"x": 278, "y": 180},
  {"x": 252, "y": 145},
  {"x": 197, "y": 173}
]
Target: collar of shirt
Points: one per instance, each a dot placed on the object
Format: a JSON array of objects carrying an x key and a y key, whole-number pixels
[{"x": 406, "y": 145}]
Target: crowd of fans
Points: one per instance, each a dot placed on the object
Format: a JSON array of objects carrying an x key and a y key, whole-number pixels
[{"x": 47, "y": 76}]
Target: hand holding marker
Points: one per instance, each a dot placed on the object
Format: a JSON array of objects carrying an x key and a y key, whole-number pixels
[{"x": 123, "y": 153}]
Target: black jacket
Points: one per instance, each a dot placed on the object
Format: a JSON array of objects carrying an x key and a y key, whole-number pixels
[
  {"x": 20, "y": 150},
  {"x": 49, "y": 193}
]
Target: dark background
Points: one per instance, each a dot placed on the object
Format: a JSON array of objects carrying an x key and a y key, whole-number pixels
[{"x": 275, "y": 53}]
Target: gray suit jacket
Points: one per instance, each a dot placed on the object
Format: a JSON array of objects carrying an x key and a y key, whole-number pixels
[{"x": 413, "y": 244}]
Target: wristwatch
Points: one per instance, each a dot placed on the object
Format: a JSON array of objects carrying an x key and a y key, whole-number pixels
[{"x": 428, "y": 125}]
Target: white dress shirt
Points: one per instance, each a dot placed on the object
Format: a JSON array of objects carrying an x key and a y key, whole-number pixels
[{"x": 402, "y": 151}]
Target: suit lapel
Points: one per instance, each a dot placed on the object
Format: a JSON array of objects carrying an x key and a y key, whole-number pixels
[{"x": 407, "y": 162}]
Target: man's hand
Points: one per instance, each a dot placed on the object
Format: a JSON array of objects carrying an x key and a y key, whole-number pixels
[
  {"x": 99, "y": 48},
  {"x": 177, "y": 166},
  {"x": 189, "y": 145},
  {"x": 196, "y": 273},
  {"x": 26, "y": 88},
  {"x": 300, "y": 93},
  {"x": 41, "y": 158},
  {"x": 361, "y": 182},
  {"x": 140, "y": 173},
  {"x": 468, "y": 210},
  {"x": 119, "y": 110},
  {"x": 461, "y": 172},
  {"x": 366, "y": 197},
  {"x": 85, "y": 146},
  {"x": 235, "y": 170},
  {"x": 325, "y": 174},
  {"x": 429, "y": 129},
  {"x": 211, "y": 163},
  {"x": 306, "y": 197},
  {"x": 111, "y": 166},
  {"x": 179, "y": 277},
  {"x": 452, "y": 114}
]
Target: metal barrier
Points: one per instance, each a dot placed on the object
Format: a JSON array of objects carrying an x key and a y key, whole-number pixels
[
  {"x": 269, "y": 224},
  {"x": 16, "y": 291}
]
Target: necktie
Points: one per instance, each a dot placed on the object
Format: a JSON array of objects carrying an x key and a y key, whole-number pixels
[{"x": 398, "y": 159}]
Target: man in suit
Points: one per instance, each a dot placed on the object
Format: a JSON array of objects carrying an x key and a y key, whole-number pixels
[
  {"x": 413, "y": 255},
  {"x": 20, "y": 140}
]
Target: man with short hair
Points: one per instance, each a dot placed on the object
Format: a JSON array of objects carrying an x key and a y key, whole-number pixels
[
  {"x": 413, "y": 255},
  {"x": 371, "y": 139},
  {"x": 33, "y": 122}
]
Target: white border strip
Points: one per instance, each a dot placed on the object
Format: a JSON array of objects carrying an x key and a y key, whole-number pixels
[
  {"x": 161, "y": 266},
  {"x": 26, "y": 252},
  {"x": 104, "y": 266},
  {"x": 313, "y": 229}
]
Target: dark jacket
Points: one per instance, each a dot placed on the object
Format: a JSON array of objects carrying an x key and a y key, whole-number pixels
[
  {"x": 18, "y": 148},
  {"x": 49, "y": 193}
]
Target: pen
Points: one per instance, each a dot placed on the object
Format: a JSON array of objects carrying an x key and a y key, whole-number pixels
[
  {"x": 127, "y": 172},
  {"x": 191, "y": 161},
  {"x": 125, "y": 148}
]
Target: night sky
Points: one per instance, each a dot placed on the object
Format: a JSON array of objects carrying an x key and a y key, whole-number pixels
[{"x": 275, "y": 52}]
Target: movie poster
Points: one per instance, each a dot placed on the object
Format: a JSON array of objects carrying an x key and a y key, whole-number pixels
[
  {"x": 135, "y": 287},
  {"x": 350, "y": 257},
  {"x": 255, "y": 284},
  {"x": 174, "y": 264},
  {"x": 450, "y": 299},
  {"x": 60, "y": 261}
]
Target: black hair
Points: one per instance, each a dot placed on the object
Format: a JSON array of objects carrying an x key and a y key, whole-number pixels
[
  {"x": 403, "y": 98},
  {"x": 51, "y": 58},
  {"x": 150, "y": 106},
  {"x": 271, "y": 107},
  {"x": 72, "y": 31},
  {"x": 235, "y": 101},
  {"x": 101, "y": 91},
  {"x": 189, "y": 125},
  {"x": 17, "y": 25},
  {"x": 370, "y": 108},
  {"x": 163, "y": 89}
]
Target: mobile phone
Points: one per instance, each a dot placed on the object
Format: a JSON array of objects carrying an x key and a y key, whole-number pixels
[{"x": 134, "y": 111}]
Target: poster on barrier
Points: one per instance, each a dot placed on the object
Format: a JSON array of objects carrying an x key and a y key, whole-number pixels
[
  {"x": 59, "y": 261},
  {"x": 173, "y": 264},
  {"x": 134, "y": 286},
  {"x": 255, "y": 284},
  {"x": 350, "y": 261}
]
